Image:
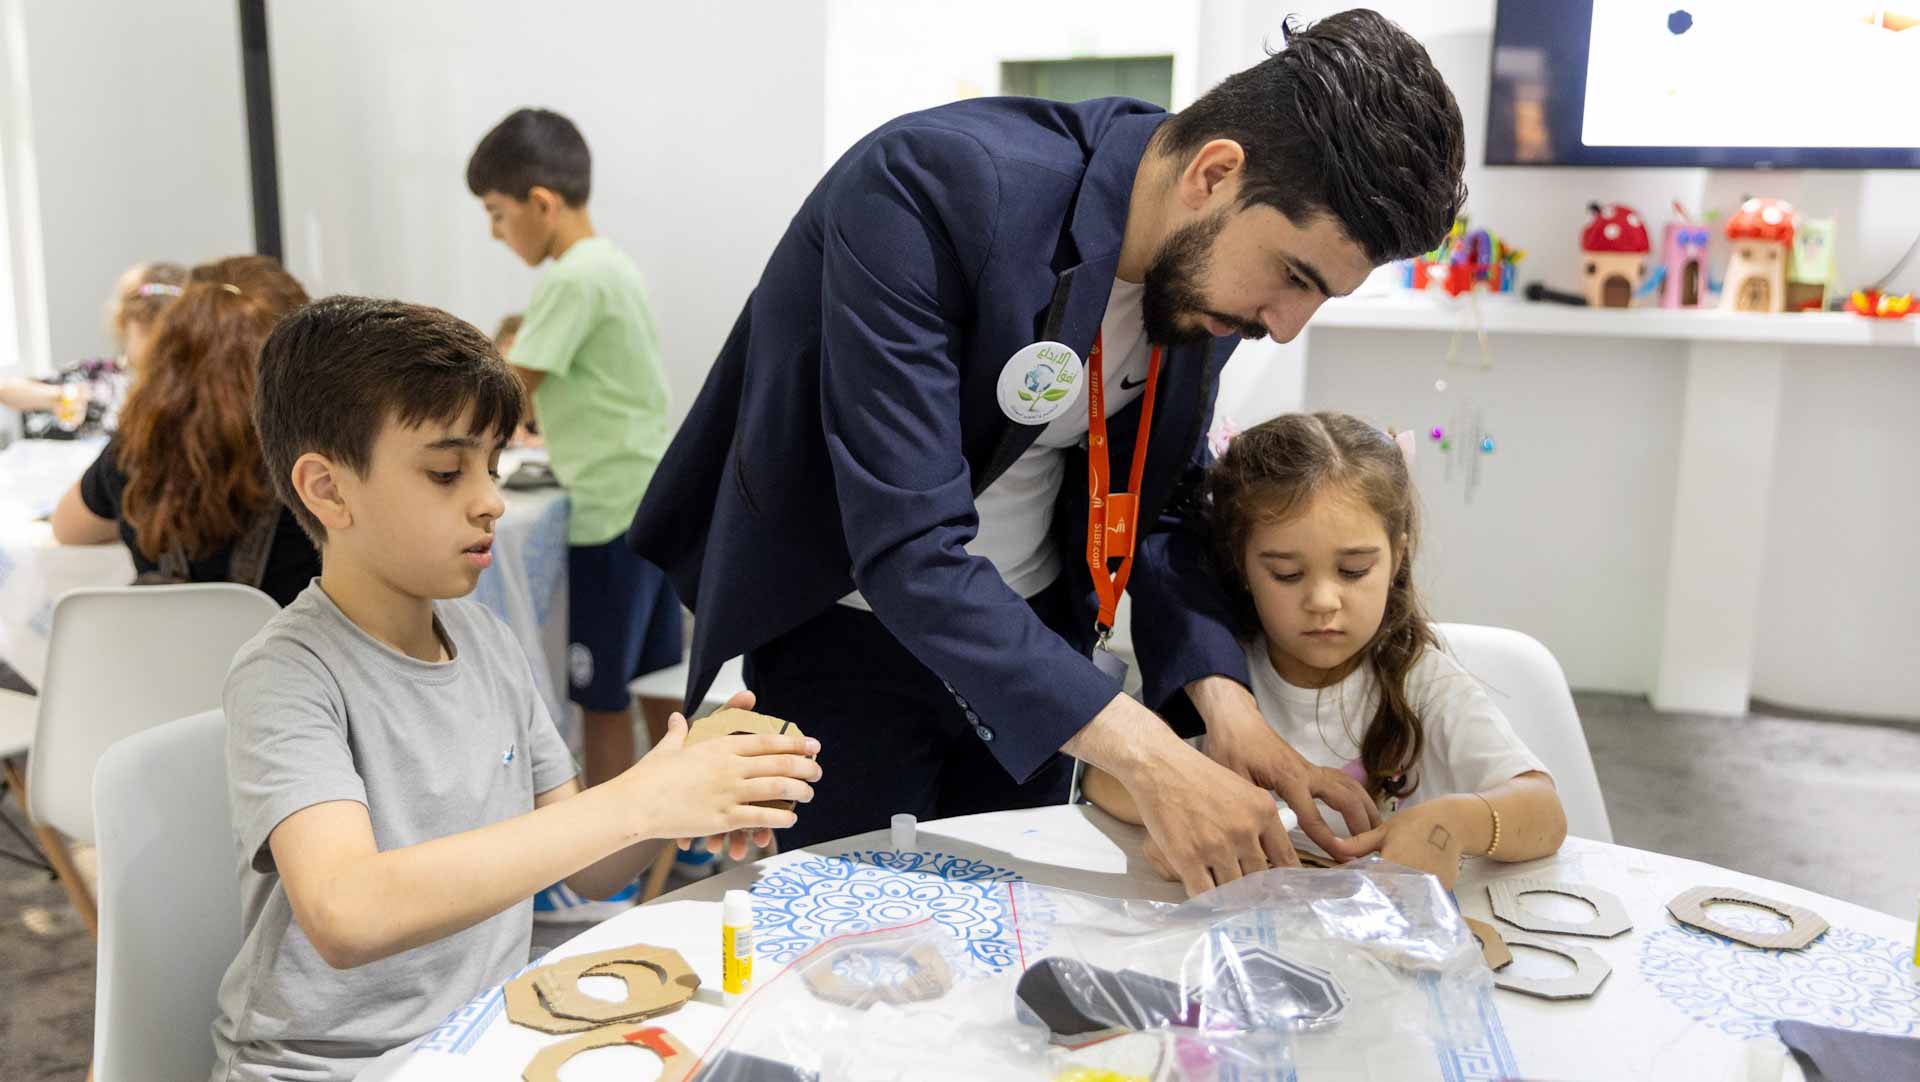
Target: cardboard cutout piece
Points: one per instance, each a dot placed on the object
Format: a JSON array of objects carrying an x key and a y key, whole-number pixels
[
  {"x": 1589, "y": 971},
  {"x": 1493, "y": 948},
  {"x": 1803, "y": 925},
  {"x": 1609, "y": 916},
  {"x": 676, "y": 1060},
  {"x": 850, "y": 977},
  {"x": 549, "y": 998},
  {"x": 730, "y": 721}
]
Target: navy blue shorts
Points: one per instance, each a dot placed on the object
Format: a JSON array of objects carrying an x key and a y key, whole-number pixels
[{"x": 623, "y": 622}]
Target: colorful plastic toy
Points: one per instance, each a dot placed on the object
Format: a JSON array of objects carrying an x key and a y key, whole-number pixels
[
  {"x": 1614, "y": 250},
  {"x": 1761, "y": 232},
  {"x": 1810, "y": 265}
]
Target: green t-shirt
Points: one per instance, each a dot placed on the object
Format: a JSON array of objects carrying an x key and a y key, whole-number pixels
[{"x": 603, "y": 404}]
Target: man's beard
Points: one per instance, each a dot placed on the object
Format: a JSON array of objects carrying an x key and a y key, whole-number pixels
[{"x": 1174, "y": 287}]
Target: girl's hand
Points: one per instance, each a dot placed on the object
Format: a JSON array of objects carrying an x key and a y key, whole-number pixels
[
  {"x": 714, "y": 788},
  {"x": 1426, "y": 837}
]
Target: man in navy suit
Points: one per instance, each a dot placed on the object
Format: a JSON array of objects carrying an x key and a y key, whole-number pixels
[{"x": 885, "y": 493}]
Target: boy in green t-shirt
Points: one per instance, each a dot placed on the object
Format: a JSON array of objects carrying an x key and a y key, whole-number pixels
[{"x": 587, "y": 354}]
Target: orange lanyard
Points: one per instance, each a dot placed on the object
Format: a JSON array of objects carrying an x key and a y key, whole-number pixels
[{"x": 1112, "y": 517}]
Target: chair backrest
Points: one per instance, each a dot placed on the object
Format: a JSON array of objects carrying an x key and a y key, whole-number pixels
[
  {"x": 1531, "y": 689},
  {"x": 169, "y": 903},
  {"x": 121, "y": 660}
]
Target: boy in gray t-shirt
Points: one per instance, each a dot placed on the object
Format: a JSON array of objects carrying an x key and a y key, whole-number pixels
[{"x": 398, "y": 791}]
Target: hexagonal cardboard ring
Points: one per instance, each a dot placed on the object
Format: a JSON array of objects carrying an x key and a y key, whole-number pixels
[
  {"x": 928, "y": 977},
  {"x": 1589, "y": 971},
  {"x": 677, "y": 1061},
  {"x": 1803, "y": 925},
  {"x": 1609, "y": 917},
  {"x": 548, "y": 998}
]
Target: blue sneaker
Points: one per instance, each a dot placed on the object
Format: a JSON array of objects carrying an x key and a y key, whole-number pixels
[{"x": 559, "y": 904}]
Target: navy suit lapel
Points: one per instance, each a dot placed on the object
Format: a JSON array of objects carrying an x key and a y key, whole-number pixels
[{"x": 1080, "y": 293}]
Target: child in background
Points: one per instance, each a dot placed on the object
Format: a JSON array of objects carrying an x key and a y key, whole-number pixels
[
  {"x": 1315, "y": 524},
  {"x": 503, "y": 339},
  {"x": 398, "y": 791},
  {"x": 182, "y": 483},
  {"x": 84, "y": 399},
  {"x": 586, "y": 351}
]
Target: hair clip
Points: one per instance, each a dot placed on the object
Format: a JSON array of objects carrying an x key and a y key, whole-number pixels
[
  {"x": 157, "y": 289},
  {"x": 231, "y": 288}
]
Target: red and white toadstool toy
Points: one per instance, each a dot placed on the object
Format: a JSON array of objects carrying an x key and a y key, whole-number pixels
[
  {"x": 1614, "y": 250},
  {"x": 1761, "y": 230}
]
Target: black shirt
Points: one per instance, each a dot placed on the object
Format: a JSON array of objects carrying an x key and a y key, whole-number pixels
[{"x": 291, "y": 564}]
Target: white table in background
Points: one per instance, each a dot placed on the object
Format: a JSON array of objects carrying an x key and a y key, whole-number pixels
[
  {"x": 1677, "y": 1004},
  {"x": 34, "y": 569}
]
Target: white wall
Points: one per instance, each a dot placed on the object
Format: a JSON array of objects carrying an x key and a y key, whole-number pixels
[
  {"x": 705, "y": 123},
  {"x": 888, "y": 57},
  {"x": 1840, "y": 609},
  {"x": 124, "y": 141}
]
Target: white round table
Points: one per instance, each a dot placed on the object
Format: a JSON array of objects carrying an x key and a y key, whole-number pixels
[{"x": 1679, "y": 1003}]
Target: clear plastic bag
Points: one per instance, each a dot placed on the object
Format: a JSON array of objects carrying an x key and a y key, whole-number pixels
[{"x": 1363, "y": 972}]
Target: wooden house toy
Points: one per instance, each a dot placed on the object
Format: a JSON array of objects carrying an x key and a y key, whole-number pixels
[
  {"x": 1683, "y": 265},
  {"x": 1613, "y": 251},
  {"x": 1761, "y": 232},
  {"x": 1810, "y": 265}
]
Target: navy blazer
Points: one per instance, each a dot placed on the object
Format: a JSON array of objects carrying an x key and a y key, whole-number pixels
[{"x": 852, "y": 417}]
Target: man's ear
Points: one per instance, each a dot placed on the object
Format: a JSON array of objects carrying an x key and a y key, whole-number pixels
[
  {"x": 316, "y": 481},
  {"x": 1213, "y": 165}
]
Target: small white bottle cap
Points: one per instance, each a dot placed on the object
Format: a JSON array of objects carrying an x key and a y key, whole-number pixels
[
  {"x": 737, "y": 908},
  {"x": 903, "y": 831}
]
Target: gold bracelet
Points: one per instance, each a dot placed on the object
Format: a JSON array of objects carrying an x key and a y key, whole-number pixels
[{"x": 1495, "y": 843}]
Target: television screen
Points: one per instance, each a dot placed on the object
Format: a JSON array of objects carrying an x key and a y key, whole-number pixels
[{"x": 1788, "y": 84}]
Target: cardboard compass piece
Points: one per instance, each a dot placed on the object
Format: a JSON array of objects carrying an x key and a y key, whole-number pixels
[
  {"x": 860, "y": 977},
  {"x": 1493, "y": 948},
  {"x": 1589, "y": 971},
  {"x": 1803, "y": 925},
  {"x": 731, "y": 721},
  {"x": 1609, "y": 916},
  {"x": 677, "y": 1061},
  {"x": 549, "y": 999}
]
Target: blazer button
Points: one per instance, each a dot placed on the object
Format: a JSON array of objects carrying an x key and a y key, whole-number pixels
[
  {"x": 984, "y": 733},
  {"x": 972, "y": 718}
]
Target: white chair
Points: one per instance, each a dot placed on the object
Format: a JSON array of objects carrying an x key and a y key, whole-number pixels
[
  {"x": 121, "y": 660},
  {"x": 169, "y": 902},
  {"x": 1531, "y": 689}
]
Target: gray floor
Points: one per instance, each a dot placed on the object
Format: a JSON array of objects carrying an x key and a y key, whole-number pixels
[{"x": 1825, "y": 804}]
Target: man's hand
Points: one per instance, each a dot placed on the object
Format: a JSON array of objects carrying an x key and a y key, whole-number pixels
[
  {"x": 1209, "y": 827},
  {"x": 1239, "y": 739}
]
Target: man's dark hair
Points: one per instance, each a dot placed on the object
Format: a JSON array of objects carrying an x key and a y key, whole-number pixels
[
  {"x": 1352, "y": 119},
  {"x": 532, "y": 148},
  {"x": 332, "y": 373}
]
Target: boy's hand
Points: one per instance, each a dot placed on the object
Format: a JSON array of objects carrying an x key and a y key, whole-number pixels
[
  {"x": 712, "y": 788},
  {"x": 1425, "y": 837}
]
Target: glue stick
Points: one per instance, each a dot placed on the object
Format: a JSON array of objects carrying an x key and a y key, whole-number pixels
[{"x": 736, "y": 944}]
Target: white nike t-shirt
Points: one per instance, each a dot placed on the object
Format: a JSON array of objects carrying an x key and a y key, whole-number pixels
[{"x": 1016, "y": 511}]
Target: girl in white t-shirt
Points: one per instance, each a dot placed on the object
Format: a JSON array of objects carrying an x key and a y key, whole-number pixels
[{"x": 1315, "y": 521}]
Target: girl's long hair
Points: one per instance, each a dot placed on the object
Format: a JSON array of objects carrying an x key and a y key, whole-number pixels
[
  {"x": 186, "y": 443},
  {"x": 1273, "y": 471}
]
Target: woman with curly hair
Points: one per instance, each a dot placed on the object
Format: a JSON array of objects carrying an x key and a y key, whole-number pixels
[{"x": 183, "y": 483}]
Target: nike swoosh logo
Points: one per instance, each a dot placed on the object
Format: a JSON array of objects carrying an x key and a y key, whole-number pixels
[{"x": 1125, "y": 386}]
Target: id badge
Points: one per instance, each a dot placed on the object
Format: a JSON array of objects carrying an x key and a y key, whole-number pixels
[{"x": 1112, "y": 664}]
